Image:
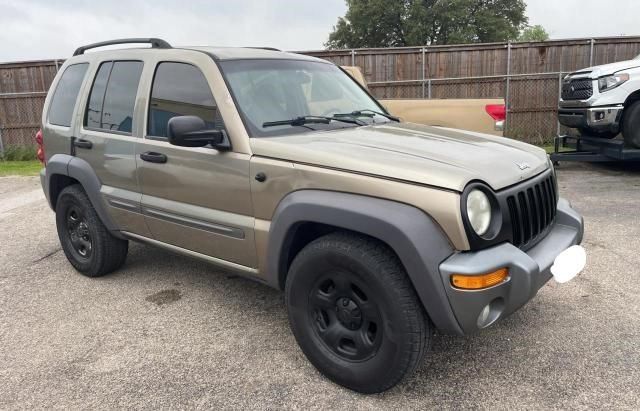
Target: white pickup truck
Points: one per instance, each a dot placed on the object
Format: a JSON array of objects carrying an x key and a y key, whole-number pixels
[{"x": 604, "y": 101}]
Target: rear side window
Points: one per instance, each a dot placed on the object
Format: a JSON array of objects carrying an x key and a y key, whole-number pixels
[
  {"x": 180, "y": 89},
  {"x": 66, "y": 94},
  {"x": 113, "y": 96}
]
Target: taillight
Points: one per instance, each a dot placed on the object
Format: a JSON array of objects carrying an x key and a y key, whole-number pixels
[
  {"x": 498, "y": 113},
  {"x": 40, "y": 152}
]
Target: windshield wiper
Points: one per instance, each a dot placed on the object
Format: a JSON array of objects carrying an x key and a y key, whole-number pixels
[
  {"x": 367, "y": 113},
  {"x": 303, "y": 120}
]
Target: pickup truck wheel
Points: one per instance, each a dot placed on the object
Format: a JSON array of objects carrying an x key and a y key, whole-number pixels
[
  {"x": 355, "y": 313},
  {"x": 631, "y": 125},
  {"x": 86, "y": 242}
]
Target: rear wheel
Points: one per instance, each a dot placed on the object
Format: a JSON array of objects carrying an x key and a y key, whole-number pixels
[
  {"x": 631, "y": 125},
  {"x": 355, "y": 313},
  {"x": 86, "y": 242}
]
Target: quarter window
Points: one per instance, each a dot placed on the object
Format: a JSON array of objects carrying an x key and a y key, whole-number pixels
[
  {"x": 66, "y": 94},
  {"x": 180, "y": 89},
  {"x": 113, "y": 96}
]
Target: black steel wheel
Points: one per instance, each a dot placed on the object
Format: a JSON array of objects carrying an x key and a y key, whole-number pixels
[
  {"x": 78, "y": 232},
  {"x": 345, "y": 317},
  {"x": 86, "y": 242},
  {"x": 355, "y": 313}
]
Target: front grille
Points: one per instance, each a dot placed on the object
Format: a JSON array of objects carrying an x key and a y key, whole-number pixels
[
  {"x": 580, "y": 89},
  {"x": 532, "y": 211}
]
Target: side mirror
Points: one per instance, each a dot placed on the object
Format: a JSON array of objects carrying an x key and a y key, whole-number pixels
[{"x": 191, "y": 131}]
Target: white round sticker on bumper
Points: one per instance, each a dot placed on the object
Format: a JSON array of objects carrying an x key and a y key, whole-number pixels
[{"x": 569, "y": 264}]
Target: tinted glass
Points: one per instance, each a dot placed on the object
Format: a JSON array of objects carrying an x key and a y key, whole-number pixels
[
  {"x": 93, "y": 115},
  {"x": 274, "y": 90},
  {"x": 111, "y": 108},
  {"x": 66, "y": 94},
  {"x": 179, "y": 90}
]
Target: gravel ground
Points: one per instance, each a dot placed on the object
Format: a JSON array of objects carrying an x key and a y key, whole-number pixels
[{"x": 169, "y": 332}]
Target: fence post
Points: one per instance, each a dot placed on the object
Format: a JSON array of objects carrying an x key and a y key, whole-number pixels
[
  {"x": 423, "y": 51},
  {"x": 591, "y": 56},
  {"x": 56, "y": 63},
  {"x": 1, "y": 144},
  {"x": 559, "y": 95},
  {"x": 429, "y": 88},
  {"x": 508, "y": 86},
  {"x": 353, "y": 58}
]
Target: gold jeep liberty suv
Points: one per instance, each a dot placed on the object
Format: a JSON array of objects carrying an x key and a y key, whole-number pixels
[{"x": 282, "y": 168}]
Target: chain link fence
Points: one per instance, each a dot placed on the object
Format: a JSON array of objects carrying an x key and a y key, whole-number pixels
[{"x": 20, "y": 114}]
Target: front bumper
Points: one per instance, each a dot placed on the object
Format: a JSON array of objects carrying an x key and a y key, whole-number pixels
[
  {"x": 528, "y": 272},
  {"x": 595, "y": 118}
]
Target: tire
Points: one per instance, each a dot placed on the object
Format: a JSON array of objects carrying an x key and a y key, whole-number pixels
[
  {"x": 86, "y": 242},
  {"x": 602, "y": 134},
  {"x": 354, "y": 312},
  {"x": 631, "y": 125}
]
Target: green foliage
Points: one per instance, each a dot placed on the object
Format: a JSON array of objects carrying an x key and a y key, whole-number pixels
[
  {"x": 397, "y": 23},
  {"x": 534, "y": 33},
  {"x": 18, "y": 153}
]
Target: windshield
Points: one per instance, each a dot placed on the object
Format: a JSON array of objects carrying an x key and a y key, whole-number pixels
[{"x": 268, "y": 91}]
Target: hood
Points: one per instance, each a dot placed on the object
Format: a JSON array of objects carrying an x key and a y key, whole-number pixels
[
  {"x": 607, "y": 69},
  {"x": 434, "y": 156}
]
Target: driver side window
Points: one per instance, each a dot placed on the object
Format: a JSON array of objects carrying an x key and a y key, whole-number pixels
[{"x": 180, "y": 89}]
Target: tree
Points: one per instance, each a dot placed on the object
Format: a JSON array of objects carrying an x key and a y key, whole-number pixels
[
  {"x": 396, "y": 23},
  {"x": 534, "y": 33}
]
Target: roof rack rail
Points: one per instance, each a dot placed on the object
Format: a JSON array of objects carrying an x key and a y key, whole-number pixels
[
  {"x": 264, "y": 48},
  {"x": 155, "y": 43}
]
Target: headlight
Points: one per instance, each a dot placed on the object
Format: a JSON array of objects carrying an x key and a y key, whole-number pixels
[
  {"x": 479, "y": 211},
  {"x": 611, "y": 82}
]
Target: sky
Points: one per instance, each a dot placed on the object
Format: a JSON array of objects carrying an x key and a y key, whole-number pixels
[{"x": 49, "y": 29}]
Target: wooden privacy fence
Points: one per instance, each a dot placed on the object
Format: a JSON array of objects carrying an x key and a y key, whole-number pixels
[
  {"x": 527, "y": 75},
  {"x": 23, "y": 88}
]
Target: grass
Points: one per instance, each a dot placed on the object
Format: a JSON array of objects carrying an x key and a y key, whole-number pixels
[
  {"x": 19, "y": 168},
  {"x": 18, "y": 153}
]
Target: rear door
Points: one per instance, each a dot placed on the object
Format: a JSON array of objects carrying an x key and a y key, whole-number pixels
[
  {"x": 107, "y": 139},
  {"x": 199, "y": 198}
]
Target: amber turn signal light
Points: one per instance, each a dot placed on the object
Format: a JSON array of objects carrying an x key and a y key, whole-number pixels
[{"x": 479, "y": 282}]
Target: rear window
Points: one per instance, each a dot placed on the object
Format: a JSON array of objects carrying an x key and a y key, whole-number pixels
[
  {"x": 113, "y": 96},
  {"x": 66, "y": 94}
]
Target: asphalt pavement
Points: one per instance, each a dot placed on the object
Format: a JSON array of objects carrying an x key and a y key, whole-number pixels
[{"x": 169, "y": 332}]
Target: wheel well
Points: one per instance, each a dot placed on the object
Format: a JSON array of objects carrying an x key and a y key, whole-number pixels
[
  {"x": 57, "y": 183},
  {"x": 635, "y": 96},
  {"x": 302, "y": 234}
]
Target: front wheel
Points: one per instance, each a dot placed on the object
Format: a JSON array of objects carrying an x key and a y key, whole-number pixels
[
  {"x": 355, "y": 313},
  {"x": 631, "y": 125}
]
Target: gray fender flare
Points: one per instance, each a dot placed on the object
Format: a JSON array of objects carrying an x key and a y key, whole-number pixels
[
  {"x": 79, "y": 169},
  {"x": 418, "y": 241}
]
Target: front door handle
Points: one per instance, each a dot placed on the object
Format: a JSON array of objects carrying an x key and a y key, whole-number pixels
[
  {"x": 154, "y": 157},
  {"x": 81, "y": 143}
]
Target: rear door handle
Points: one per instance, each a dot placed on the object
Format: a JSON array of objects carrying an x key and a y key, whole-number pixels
[
  {"x": 81, "y": 143},
  {"x": 154, "y": 157}
]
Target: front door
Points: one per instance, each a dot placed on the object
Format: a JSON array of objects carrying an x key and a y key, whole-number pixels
[{"x": 194, "y": 198}]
